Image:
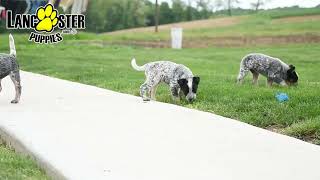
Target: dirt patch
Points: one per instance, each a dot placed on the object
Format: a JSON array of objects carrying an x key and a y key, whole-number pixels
[
  {"x": 275, "y": 128},
  {"x": 213, "y": 42},
  {"x": 297, "y": 19},
  {"x": 208, "y": 23},
  {"x": 311, "y": 138},
  {"x": 229, "y": 41}
]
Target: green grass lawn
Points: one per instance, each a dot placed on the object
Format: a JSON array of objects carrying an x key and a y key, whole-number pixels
[
  {"x": 17, "y": 167},
  {"x": 109, "y": 67},
  {"x": 289, "y": 12}
]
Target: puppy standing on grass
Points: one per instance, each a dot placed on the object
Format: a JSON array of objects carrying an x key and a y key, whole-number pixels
[
  {"x": 177, "y": 76},
  {"x": 274, "y": 69},
  {"x": 9, "y": 66}
]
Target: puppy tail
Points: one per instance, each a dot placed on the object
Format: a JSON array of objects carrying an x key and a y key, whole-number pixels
[
  {"x": 12, "y": 46},
  {"x": 135, "y": 66}
]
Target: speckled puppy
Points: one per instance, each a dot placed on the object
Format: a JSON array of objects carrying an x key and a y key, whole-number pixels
[
  {"x": 273, "y": 68},
  {"x": 9, "y": 66},
  {"x": 177, "y": 76}
]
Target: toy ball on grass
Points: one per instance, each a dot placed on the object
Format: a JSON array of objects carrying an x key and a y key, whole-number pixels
[{"x": 282, "y": 97}]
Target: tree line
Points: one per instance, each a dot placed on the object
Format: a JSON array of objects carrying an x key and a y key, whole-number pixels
[
  {"x": 111, "y": 15},
  {"x": 122, "y": 14}
]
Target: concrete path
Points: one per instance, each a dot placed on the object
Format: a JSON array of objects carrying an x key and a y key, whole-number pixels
[{"x": 81, "y": 132}]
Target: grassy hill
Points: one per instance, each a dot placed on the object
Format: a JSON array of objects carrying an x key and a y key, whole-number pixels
[{"x": 279, "y": 26}]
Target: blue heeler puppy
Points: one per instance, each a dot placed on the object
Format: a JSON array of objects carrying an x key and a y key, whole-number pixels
[
  {"x": 273, "y": 68},
  {"x": 177, "y": 76},
  {"x": 9, "y": 66}
]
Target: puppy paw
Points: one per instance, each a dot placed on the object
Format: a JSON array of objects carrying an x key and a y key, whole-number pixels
[
  {"x": 14, "y": 102},
  {"x": 146, "y": 99}
]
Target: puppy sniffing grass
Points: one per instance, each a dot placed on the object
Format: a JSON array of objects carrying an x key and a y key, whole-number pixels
[
  {"x": 273, "y": 68},
  {"x": 179, "y": 78},
  {"x": 9, "y": 66}
]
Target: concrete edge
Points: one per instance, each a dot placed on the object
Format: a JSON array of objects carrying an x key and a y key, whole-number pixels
[
  {"x": 12, "y": 141},
  {"x": 170, "y": 104}
]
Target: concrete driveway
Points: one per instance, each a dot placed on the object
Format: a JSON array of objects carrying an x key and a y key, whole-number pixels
[{"x": 76, "y": 131}]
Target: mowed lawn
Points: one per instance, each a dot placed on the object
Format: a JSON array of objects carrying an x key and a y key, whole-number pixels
[
  {"x": 109, "y": 67},
  {"x": 16, "y": 167}
]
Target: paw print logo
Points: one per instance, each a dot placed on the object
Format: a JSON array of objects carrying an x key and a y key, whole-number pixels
[{"x": 47, "y": 17}]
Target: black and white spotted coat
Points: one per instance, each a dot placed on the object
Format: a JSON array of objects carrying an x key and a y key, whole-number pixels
[
  {"x": 167, "y": 72},
  {"x": 9, "y": 67},
  {"x": 272, "y": 68}
]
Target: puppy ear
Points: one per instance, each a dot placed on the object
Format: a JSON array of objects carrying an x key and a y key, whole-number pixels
[
  {"x": 182, "y": 82},
  {"x": 292, "y": 67},
  {"x": 196, "y": 80}
]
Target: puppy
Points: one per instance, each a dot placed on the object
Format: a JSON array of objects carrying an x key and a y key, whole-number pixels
[
  {"x": 273, "y": 68},
  {"x": 177, "y": 76},
  {"x": 9, "y": 66}
]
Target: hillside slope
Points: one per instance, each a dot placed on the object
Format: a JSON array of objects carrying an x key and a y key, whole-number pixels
[
  {"x": 226, "y": 31},
  {"x": 198, "y": 24}
]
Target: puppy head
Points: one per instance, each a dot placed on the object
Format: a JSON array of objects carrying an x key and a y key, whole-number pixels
[
  {"x": 189, "y": 87},
  {"x": 292, "y": 76}
]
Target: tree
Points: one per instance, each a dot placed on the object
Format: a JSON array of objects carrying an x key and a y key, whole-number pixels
[
  {"x": 219, "y": 4},
  {"x": 94, "y": 18},
  {"x": 189, "y": 13},
  {"x": 113, "y": 15},
  {"x": 256, "y": 5},
  {"x": 230, "y": 5},
  {"x": 166, "y": 15},
  {"x": 204, "y": 7},
  {"x": 226, "y": 4},
  {"x": 178, "y": 10},
  {"x": 149, "y": 13},
  {"x": 133, "y": 13},
  {"x": 156, "y": 16}
]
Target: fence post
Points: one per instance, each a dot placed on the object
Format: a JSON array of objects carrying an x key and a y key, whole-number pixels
[{"x": 176, "y": 38}]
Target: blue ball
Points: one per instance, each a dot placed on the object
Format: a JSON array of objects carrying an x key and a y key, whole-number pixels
[{"x": 282, "y": 97}]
